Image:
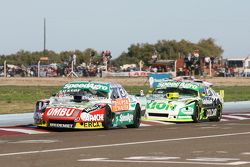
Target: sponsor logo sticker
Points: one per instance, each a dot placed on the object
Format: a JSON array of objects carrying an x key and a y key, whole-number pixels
[
  {"x": 120, "y": 104},
  {"x": 90, "y": 117},
  {"x": 61, "y": 112}
]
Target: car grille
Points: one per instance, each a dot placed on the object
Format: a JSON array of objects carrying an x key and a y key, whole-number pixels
[{"x": 158, "y": 115}]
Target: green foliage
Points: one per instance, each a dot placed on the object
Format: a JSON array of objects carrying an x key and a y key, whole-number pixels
[
  {"x": 31, "y": 58},
  {"x": 165, "y": 49},
  {"x": 168, "y": 50}
]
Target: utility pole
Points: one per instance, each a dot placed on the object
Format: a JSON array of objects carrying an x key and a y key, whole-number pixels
[{"x": 44, "y": 36}]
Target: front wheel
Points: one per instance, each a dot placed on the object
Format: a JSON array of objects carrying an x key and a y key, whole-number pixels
[
  {"x": 107, "y": 123},
  {"x": 195, "y": 116},
  {"x": 136, "y": 118}
]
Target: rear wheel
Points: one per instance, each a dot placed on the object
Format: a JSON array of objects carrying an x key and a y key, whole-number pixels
[
  {"x": 107, "y": 123},
  {"x": 218, "y": 115},
  {"x": 136, "y": 118}
]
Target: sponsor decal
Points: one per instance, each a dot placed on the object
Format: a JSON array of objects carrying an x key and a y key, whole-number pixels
[
  {"x": 188, "y": 86},
  {"x": 168, "y": 84},
  {"x": 187, "y": 110},
  {"x": 90, "y": 117},
  {"x": 86, "y": 85},
  {"x": 92, "y": 108},
  {"x": 92, "y": 124},
  {"x": 61, "y": 112},
  {"x": 126, "y": 118},
  {"x": 120, "y": 104},
  {"x": 57, "y": 125},
  {"x": 207, "y": 101},
  {"x": 184, "y": 85},
  {"x": 161, "y": 106},
  {"x": 184, "y": 117}
]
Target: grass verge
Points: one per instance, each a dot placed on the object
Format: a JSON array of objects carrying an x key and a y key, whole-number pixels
[{"x": 18, "y": 99}]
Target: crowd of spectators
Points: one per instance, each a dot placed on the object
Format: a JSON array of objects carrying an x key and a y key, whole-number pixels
[{"x": 52, "y": 70}]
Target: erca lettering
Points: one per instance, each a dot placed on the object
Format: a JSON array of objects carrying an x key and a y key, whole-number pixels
[
  {"x": 92, "y": 124},
  {"x": 61, "y": 112},
  {"x": 89, "y": 117}
]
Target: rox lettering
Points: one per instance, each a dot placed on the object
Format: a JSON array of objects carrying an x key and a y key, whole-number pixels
[
  {"x": 160, "y": 106},
  {"x": 86, "y": 86},
  {"x": 61, "y": 112}
]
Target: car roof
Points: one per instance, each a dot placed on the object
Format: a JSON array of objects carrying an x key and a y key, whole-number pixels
[
  {"x": 185, "y": 83},
  {"x": 76, "y": 86},
  {"x": 110, "y": 84}
]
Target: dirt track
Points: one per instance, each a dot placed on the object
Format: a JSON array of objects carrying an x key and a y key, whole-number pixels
[{"x": 122, "y": 80}]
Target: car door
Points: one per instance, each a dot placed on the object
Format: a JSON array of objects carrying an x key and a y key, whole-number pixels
[
  {"x": 120, "y": 101},
  {"x": 207, "y": 98}
]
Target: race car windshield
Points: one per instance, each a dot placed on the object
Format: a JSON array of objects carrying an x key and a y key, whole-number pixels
[
  {"x": 92, "y": 93},
  {"x": 186, "y": 92},
  {"x": 88, "y": 93}
]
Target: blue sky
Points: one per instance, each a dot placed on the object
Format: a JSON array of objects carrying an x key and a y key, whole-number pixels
[{"x": 116, "y": 24}]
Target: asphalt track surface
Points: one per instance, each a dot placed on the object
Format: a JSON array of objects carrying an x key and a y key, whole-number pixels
[{"x": 225, "y": 143}]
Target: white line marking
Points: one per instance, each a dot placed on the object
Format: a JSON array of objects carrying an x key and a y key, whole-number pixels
[
  {"x": 234, "y": 117},
  {"x": 164, "y": 123},
  {"x": 241, "y": 114},
  {"x": 144, "y": 125},
  {"x": 33, "y": 141},
  {"x": 123, "y": 144},
  {"x": 155, "y": 158},
  {"x": 206, "y": 159},
  {"x": 163, "y": 162},
  {"x": 27, "y": 131}
]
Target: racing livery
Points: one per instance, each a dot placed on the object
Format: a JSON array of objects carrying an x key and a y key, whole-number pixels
[
  {"x": 86, "y": 105},
  {"x": 183, "y": 101}
]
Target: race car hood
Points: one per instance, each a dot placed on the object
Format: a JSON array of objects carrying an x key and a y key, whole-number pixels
[{"x": 71, "y": 110}]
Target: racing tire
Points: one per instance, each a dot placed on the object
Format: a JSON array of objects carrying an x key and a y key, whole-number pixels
[
  {"x": 218, "y": 116},
  {"x": 136, "y": 118},
  {"x": 195, "y": 116},
  {"x": 107, "y": 123}
]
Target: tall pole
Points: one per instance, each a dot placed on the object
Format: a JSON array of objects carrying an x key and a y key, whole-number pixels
[
  {"x": 5, "y": 69},
  {"x": 38, "y": 69},
  {"x": 44, "y": 37}
]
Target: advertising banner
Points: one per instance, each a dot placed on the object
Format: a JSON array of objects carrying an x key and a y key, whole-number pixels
[{"x": 155, "y": 78}]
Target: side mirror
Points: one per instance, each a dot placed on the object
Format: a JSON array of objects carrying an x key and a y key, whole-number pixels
[
  {"x": 221, "y": 93},
  {"x": 150, "y": 91}
]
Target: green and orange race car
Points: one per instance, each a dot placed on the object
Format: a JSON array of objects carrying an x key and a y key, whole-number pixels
[{"x": 87, "y": 105}]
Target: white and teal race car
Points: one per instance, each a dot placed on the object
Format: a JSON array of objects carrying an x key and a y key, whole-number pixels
[{"x": 183, "y": 101}]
